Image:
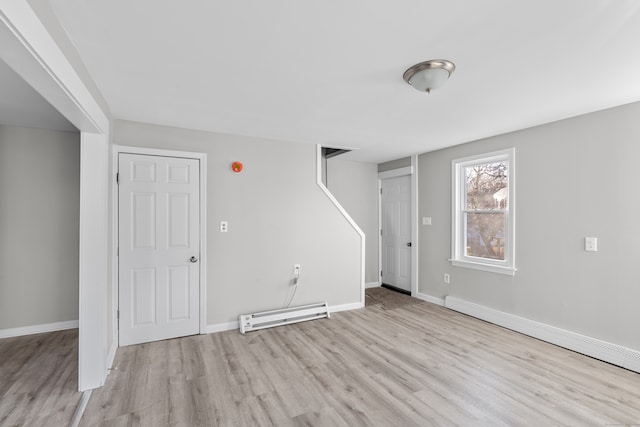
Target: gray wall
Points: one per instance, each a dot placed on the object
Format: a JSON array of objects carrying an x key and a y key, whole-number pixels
[
  {"x": 394, "y": 164},
  {"x": 277, "y": 216},
  {"x": 355, "y": 186},
  {"x": 574, "y": 178},
  {"x": 39, "y": 214}
]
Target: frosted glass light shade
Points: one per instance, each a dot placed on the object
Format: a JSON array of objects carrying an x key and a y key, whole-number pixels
[
  {"x": 429, "y": 75},
  {"x": 431, "y": 78}
]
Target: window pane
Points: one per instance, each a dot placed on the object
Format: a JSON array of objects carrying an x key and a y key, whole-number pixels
[
  {"x": 485, "y": 235},
  {"x": 486, "y": 186}
]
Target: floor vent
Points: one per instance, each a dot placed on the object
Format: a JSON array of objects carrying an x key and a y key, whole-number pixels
[{"x": 285, "y": 316}]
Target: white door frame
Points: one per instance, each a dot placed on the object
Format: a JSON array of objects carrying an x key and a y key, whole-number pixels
[
  {"x": 27, "y": 47},
  {"x": 394, "y": 173},
  {"x": 202, "y": 157}
]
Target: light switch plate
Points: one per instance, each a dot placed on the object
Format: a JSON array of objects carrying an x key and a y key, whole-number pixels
[{"x": 426, "y": 220}]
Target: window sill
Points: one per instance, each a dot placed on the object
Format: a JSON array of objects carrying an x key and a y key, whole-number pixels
[{"x": 509, "y": 271}]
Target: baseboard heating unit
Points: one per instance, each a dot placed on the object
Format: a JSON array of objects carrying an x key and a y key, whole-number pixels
[{"x": 285, "y": 316}]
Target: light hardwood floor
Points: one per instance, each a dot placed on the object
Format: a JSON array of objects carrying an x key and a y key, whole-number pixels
[
  {"x": 397, "y": 362},
  {"x": 39, "y": 379}
]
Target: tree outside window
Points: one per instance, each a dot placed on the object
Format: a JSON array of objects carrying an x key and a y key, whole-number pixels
[{"x": 486, "y": 199}]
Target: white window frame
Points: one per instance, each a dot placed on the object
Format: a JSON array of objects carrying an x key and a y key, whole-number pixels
[{"x": 458, "y": 256}]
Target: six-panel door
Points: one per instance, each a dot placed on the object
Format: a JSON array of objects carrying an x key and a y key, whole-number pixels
[
  {"x": 396, "y": 232},
  {"x": 159, "y": 232}
]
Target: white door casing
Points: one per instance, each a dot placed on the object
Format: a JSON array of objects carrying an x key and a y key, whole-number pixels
[
  {"x": 396, "y": 231},
  {"x": 159, "y": 220}
]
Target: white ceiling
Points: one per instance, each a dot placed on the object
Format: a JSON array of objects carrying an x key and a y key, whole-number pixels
[
  {"x": 330, "y": 71},
  {"x": 21, "y": 105}
]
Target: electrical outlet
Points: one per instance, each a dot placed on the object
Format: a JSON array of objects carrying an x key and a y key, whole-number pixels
[
  {"x": 224, "y": 226},
  {"x": 591, "y": 244},
  {"x": 426, "y": 220},
  {"x": 296, "y": 269},
  {"x": 446, "y": 278}
]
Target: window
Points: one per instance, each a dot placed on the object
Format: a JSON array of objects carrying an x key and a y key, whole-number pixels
[{"x": 483, "y": 215}]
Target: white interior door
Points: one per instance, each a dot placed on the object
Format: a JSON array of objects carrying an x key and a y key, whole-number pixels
[
  {"x": 396, "y": 232},
  {"x": 159, "y": 232}
]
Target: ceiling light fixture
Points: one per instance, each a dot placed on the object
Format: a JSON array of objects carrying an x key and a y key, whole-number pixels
[{"x": 429, "y": 75}]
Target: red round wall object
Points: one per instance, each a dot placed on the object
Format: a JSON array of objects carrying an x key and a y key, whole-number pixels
[{"x": 236, "y": 167}]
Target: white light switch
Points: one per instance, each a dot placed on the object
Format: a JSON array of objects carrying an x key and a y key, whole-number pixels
[
  {"x": 426, "y": 220},
  {"x": 224, "y": 226},
  {"x": 591, "y": 244}
]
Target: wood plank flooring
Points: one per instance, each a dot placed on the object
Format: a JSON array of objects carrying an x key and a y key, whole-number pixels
[
  {"x": 397, "y": 362},
  {"x": 39, "y": 379}
]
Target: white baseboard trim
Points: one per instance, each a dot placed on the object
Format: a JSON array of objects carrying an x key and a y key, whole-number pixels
[
  {"x": 593, "y": 347},
  {"x": 429, "y": 298},
  {"x": 38, "y": 329},
  {"x": 221, "y": 327},
  {"x": 372, "y": 285},
  {"x": 345, "y": 307},
  {"x": 82, "y": 405},
  {"x": 111, "y": 356}
]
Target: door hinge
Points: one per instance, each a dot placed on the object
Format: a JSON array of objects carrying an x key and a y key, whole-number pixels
[
  {"x": 381, "y": 231},
  {"x": 380, "y": 190},
  {"x": 118, "y": 178},
  {"x": 380, "y": 273},
  {"x": 118, "y": 314}
]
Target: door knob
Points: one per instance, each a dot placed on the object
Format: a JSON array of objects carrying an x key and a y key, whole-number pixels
[
  {"x": 409, "y": 244},
  {"x": 193, "y": 259}
]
